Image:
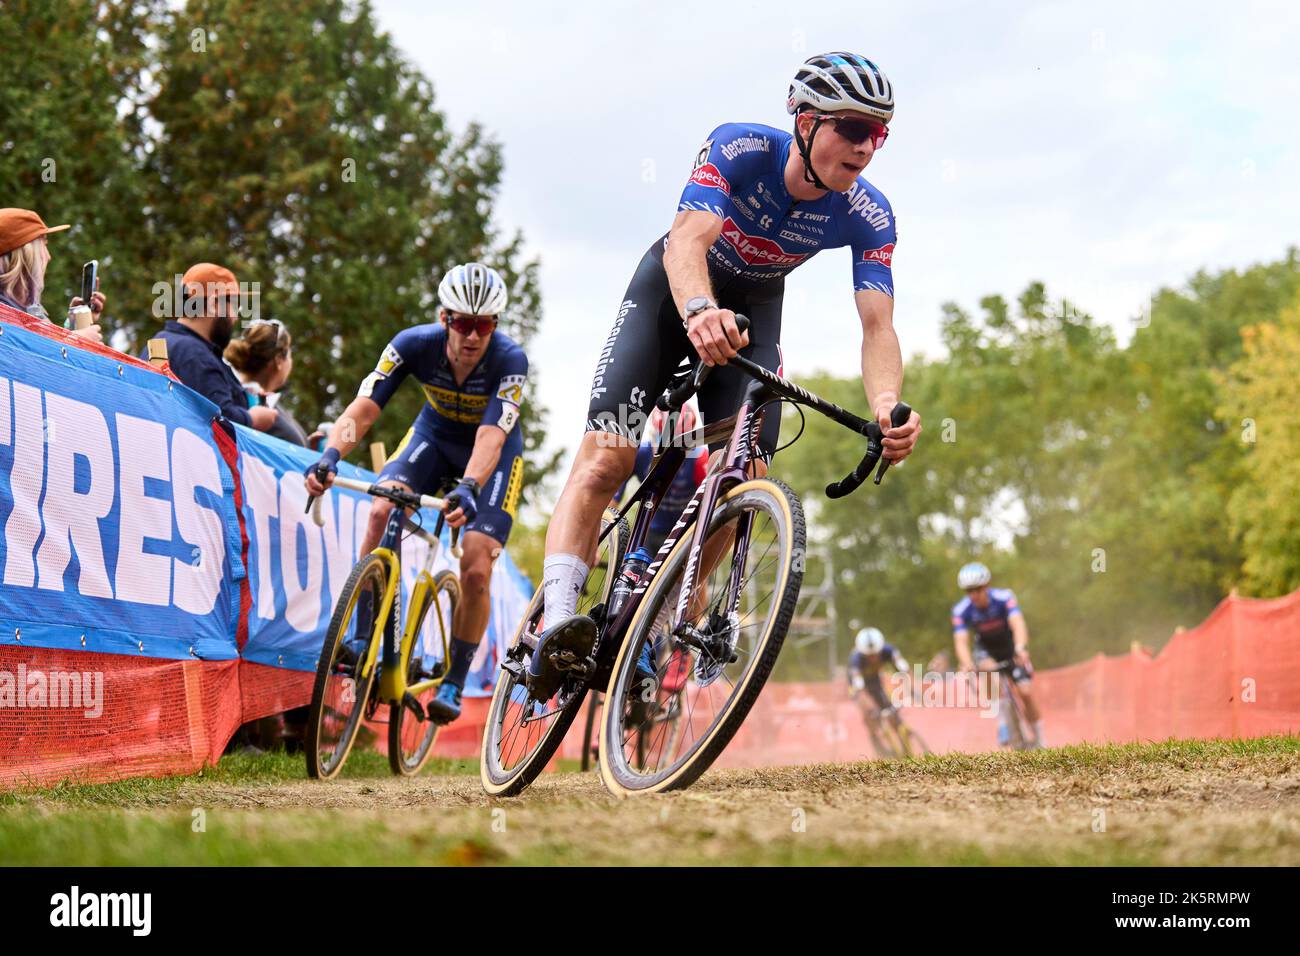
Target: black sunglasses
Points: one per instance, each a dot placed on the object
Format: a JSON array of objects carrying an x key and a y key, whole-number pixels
[{"x": 857, "y": 130}]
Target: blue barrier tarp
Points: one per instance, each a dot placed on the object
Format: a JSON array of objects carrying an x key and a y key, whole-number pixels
[{"x": 118, "y": 531}]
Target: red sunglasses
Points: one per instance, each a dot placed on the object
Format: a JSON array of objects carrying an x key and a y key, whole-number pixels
[
  {"x": 465, "y": 324},
  {"x": 857, "y": 130}
]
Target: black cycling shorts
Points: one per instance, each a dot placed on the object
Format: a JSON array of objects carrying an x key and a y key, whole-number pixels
[{"x": 648, "y": 344}]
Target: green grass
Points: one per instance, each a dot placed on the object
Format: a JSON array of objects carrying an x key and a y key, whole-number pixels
[
  {"x": 231, "y": 770},
  {"x": 262, "y": 811}
]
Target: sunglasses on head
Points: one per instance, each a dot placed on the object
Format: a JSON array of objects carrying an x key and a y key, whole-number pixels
[
  {"x": 274, "y": 323},
  {"x": 857, "y": 130},
  {"x": 465, "y": 324}
]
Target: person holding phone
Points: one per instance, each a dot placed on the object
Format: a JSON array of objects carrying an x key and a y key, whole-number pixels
[{"x": 24, "y": 259}]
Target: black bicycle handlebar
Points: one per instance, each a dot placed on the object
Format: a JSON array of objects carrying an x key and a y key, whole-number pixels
[
  {"x": 850, "y": 482},
  {"x": 689, "y": 383},
  {"x": 676, "y": 396}
]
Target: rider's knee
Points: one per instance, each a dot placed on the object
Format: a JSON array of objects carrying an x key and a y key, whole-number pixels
[
  {"x": 602, "y": 469},
  {"x": 474, "y": 576},
  {"x": 380, "y": 509}
]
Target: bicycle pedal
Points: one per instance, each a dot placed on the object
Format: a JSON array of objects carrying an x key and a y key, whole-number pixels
[
  {"x": 514, "y": 668},
  {"x": 413, "y": 705}
]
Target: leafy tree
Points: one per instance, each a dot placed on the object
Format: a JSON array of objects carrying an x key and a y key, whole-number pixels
[
  {"x": 70, "y": 135},
  {"x": 1264, "y": 509},
  {"x": 288, "y": 140}
]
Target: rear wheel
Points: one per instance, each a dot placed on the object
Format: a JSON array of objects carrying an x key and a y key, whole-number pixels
[
  {"x": 341, "y": 699},
  {"x": 410, "y": 738},
  {"x": 748, "y": 584},
  {"x": 523, "y": 734}
]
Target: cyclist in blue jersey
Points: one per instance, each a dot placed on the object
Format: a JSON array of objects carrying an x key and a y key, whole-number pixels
[
  {"x": 870, "y": 653},
  {"x": 473, "y": 379},
  {"x": 993, "y": 617},
  {"x": 759, "y": 202}
]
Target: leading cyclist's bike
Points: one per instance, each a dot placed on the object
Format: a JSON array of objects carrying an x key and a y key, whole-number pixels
[
  {"x": 1011, "y": 708},
  {"x": 726, "y": 578},
  {"x": 373, "y": 654},
  {"x": 892, "y": 737}
]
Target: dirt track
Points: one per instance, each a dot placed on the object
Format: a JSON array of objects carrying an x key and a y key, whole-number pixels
[{"x": 1112, "y": 805}]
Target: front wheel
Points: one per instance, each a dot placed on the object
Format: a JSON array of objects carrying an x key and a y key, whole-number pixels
[
  {"x": 523, "y": 734},
  {"x": 660, "y": 734},
  {"x": 341, "y": 696},
  {"x": 410, "y": 738}
]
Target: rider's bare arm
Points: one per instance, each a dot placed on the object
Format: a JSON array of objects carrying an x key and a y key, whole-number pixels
[
  {"x": 353, "y": 425},
  {"x": 686, "y": 262},
  {"x": 882, "y": 370},
  {"x": 347, "y": 433},
  {"x": 961, "y": 644},
  {"x": 1019, "y": 631},
  {"x": 488, "y": 441}
]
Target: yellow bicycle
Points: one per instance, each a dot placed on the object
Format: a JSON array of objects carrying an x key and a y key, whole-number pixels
[{"x": 363, "y": 663}]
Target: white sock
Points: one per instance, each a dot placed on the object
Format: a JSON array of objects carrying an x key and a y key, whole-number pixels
[
  {"x": 1038, "y": 730},
  {"x": 562, "y": 579}
]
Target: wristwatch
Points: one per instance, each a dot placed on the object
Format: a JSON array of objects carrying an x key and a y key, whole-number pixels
[{"x": 695, "y": 305}]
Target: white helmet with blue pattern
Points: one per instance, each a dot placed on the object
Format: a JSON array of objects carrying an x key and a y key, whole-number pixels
[
  {"x": 973, "y": 575},
  {"x": 473, "y": 289}
]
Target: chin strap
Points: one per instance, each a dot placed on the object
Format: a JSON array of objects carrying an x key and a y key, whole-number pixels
[{"x": 805, "y": 150}]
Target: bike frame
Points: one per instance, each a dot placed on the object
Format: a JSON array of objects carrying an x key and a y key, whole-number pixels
[
  {"x": 742, "y": 429},
  {"x": 392, "y": 680}
]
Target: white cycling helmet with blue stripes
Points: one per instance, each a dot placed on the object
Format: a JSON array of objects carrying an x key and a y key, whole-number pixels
[
  {"x": 473, "y": 289},
  {"x": 973, "y": 575}
]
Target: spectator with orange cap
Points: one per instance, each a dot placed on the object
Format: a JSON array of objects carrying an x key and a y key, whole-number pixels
[
  {"x": 24, "y": 257},
  {"x": 198, "y": 336}
]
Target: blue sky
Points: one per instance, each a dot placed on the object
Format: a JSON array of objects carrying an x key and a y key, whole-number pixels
[{"x": 1107, "y": 150}]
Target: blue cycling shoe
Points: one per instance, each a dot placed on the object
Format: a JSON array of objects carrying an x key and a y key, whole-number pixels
[
  {"x": 445, "y": 707},
  {"x": 645, "y": 669}
]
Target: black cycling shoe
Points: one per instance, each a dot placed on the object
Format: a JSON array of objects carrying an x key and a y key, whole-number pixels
[{"x": 558, "y": 649}]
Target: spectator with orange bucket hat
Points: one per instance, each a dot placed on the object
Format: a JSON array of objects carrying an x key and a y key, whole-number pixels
[
  {"x": 198, "y": 336},
  {"x": 24, "y": 258}
]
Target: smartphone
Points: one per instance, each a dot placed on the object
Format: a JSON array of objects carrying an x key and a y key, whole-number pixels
[{"x": 89, "y": 277}]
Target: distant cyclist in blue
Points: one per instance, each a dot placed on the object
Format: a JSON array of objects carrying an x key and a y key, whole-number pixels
[
  {"x": 473, "y": 381},
  {"x": 759, "y": 201},
  {"x": 993, "y": 617}
]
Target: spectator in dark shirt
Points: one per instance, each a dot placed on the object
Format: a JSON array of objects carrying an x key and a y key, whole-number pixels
[
  {"x": 197, "y": 338},
  {"x": 263, "y": 359}
]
